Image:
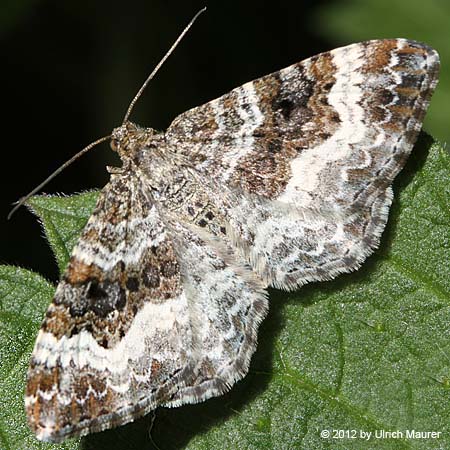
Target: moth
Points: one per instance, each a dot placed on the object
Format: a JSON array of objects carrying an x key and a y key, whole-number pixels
[{"x": 283, "y": 181}]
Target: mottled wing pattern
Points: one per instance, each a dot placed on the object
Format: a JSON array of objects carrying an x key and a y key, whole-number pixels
[
  {"x": 96, "y": 361},
  {"x": 282, "y": 181},
  {"x": 146, "y": 315},
  {"x": 303, "y": 159},
  {"x": 227, "y": 303}
]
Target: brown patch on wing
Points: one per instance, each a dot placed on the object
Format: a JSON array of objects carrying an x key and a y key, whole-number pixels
[
  {"x": 379, "y": 55},
  {"x": 388, "y": 102},
  {"x": 265, "y": 168},
  {"x": 205, "y": 123},
  {"x": 78, "y": 272},
  {"x": 91, "y": 399},
  {"x": 325, "y": 119},
  {"x": 297, "y": 116},
  {"x": 58, "y": 321},
  {"x": 378, "y": 94}
]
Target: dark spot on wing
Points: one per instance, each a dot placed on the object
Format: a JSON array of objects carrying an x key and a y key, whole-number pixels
[
  {"x": 285, "y": 106},
  {"x": 150, "y": 277},
  {"x": 132, "y": 284}
]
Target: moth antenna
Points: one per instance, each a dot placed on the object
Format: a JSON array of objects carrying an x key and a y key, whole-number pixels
[
  {"x": 20, "y": 202},
  {"x": 158, "y": 66}
]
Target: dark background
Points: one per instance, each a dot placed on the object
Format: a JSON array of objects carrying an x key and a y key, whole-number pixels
[{"x": 70, "y": 68}]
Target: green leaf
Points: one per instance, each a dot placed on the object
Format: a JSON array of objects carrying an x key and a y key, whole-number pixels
[
  {"x": 368, "y": 351},
  {"x": 63, "y": 219}
]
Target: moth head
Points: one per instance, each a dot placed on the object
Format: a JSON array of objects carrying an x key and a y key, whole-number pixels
[
  {"x": 128, "y": 138},
  {"x": 123, "y": 136}
]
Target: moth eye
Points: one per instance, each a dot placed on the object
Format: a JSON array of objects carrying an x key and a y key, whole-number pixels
[{"x": 114, "y": 144}]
